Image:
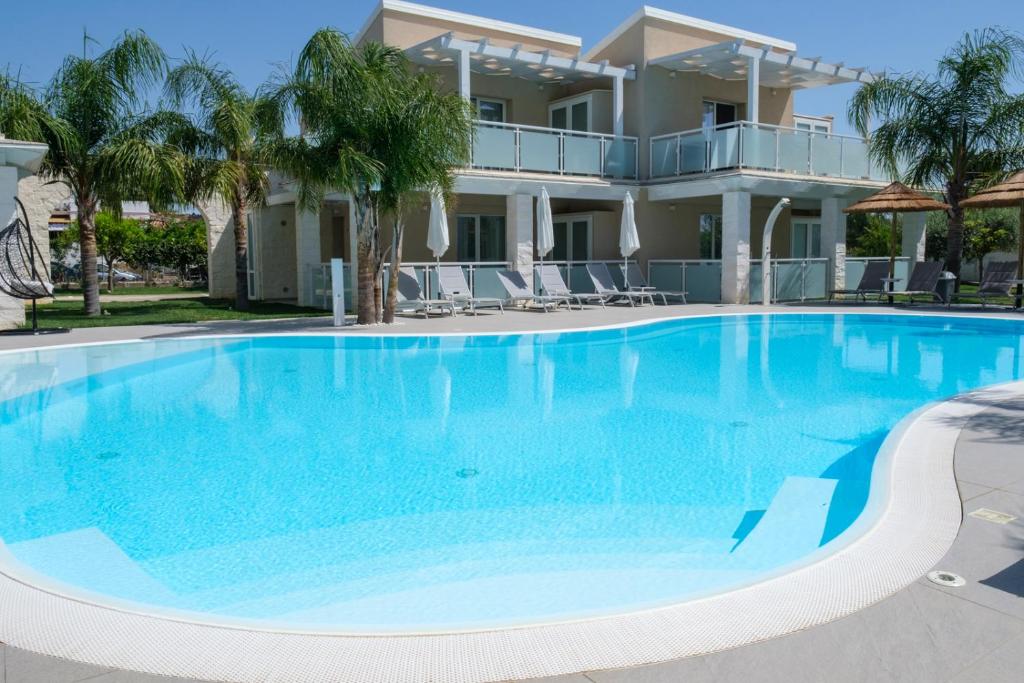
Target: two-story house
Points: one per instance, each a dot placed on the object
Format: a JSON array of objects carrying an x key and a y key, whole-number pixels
[{"x": 694, "y": 119}]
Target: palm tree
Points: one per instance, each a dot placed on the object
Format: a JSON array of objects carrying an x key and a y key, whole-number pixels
[
  {"x": 342, "y": 96},
  {"x": 103, "y": 144},
  {"x": 430, "y": 137},
  {"x": 954, "y": 129},
  {"x": 229, "y": 143}
]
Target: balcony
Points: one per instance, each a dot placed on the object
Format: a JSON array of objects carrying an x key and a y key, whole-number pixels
[
  {"x": 755, "y": 146},
  {"x": 532, "y": 149}
]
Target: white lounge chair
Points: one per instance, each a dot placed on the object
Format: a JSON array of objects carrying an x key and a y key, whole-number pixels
[
  {"x": 410, "y": 295},
  {"x": 634, "y": 277},
  {"x": 518, "y": 290},
  {"x": 452, "y": 283},
  {"x": 604, "y": 285},
  {"x": 552, "y": 284}
]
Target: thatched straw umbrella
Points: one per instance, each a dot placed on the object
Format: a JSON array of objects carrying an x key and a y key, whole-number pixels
[
  {"x": 897, "y": 198},
  {"x": 1008, "y": 193}
]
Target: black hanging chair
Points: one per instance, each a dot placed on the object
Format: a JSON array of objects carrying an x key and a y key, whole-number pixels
[{"x": 23, "y": 274}]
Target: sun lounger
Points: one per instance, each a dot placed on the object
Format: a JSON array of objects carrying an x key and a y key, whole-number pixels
[
  {"x": 605, "y": 286},
  {"x": 410, "y": 295},
  {"x": 996, "y": 282},
  {"x": 518, "y": 290},
  {"x": 872, "y": 281},
  {"x": 634, "y": 277},
  {"x": 924, "y": 278},
  {"x": 552, "y": 284},
  {"x": 452, "y": 283}
]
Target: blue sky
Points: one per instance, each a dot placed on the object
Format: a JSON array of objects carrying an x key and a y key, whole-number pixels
[{"x": 252, "y": 36}]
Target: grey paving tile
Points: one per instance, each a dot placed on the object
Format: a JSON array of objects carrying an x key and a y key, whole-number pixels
[
  {"x": 28, "y": 667},
  {"x": 1000, "y": 666},
  {"x": 990, "y": 450},
  {"x": 970, "y": 490},
  {"x": 3, "y": 663},
  {"x": 691, "y": 670},
  {"x": 990, "y": 556}
]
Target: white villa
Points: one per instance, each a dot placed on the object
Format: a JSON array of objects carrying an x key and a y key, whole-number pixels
[{"x": 693, "y": 118}]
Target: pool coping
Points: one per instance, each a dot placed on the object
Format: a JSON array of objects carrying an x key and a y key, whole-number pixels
[{"x": 906, "y": 532}]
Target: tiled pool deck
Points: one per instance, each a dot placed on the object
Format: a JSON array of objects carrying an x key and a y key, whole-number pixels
[{"x": 922, "y": 633}]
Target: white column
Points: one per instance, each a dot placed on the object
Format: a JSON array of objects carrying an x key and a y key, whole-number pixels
[
  {"x": 914, "y": 234},
  {"x": 617, "y": 107},
  {"x": 833, "y": 238},
  {"x": 307, "y": 251},
  {"x": 519, "y": 234},
  {"x": 735, "y": 247},
  {"x": 464, "y": 74},
  {"x": 753, "y": 89}
]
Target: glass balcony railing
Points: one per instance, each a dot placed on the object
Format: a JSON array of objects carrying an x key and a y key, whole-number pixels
[
  {"x": 746, "y": 145},
  {"x": 531, "y": 149}
]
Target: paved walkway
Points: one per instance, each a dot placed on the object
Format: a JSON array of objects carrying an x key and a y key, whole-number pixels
[
  {"x": 923, "y": 633},
  {"x": 110, "y": 298}
]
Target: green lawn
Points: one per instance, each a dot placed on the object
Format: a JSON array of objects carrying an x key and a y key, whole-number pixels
[
  {"x": 200, "y": 309},
  {"x": 118, "y": 291}
]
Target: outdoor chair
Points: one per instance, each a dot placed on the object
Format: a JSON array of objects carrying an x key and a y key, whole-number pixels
[
  {"x": 605, "y": 286},
  {"x": 636, "y": 281},
  {"x": 924, "y": 279},
  {"x": 518, "y": 290},
  {"x": 996, "y": 282},
  {"x": 410, "y": 295},
  {"x": 872, "y": 281},
  {"x": 452, "y": 282},
  {"x": 552, "y": 284}
]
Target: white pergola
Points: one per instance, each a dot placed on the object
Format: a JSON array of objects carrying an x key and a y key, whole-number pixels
[
  {"x": 761, "y": 67},
  {"x": 482, "y": 57}
]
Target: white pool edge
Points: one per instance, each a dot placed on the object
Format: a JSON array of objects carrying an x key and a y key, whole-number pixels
[{"x": 912, "y": 517}]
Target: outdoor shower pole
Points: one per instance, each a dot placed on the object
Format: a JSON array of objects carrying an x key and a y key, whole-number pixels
[{"x": 766, "y": 252}]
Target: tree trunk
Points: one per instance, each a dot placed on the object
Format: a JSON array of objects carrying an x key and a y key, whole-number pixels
[
  {"x": 110, "y": 272},
  {"x": 241, "y": 220},
  {"x": 398, "y": 231},
  {"x": 87, "y": 246},
  {"x": 955, "y": 193},
  {"x": 366, "y": 313}
]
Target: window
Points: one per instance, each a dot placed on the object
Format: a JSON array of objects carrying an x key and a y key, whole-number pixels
[
  {"x": 480, "y": 238},
  {"x": 813, "y": 124},
  {"x": 573, "y": 114},
  {"x": 806, "y": 239},
  {"x": 572, "y": 238},
  {"x": 718, "y": 114},
  {"x": 710, "y": 236},
  {"x": 488, "y": 109}
]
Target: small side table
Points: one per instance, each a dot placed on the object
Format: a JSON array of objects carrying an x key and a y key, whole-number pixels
[{"x": 890, "y": 285}]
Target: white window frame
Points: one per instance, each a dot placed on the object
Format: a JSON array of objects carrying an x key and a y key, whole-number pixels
[
  {"x": 254, "y": 257},
  {"x": 811, "y": 124},
  {"x": 812, "y": 222},
  {"x": 477, "y": 99},
  {"x": 568, "y": 219},
  {"x": 567, "y": 103}
]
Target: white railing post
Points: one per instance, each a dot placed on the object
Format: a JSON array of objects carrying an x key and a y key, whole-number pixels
[
  {"x": 600, "y": 164},
  {"x": 518, "y": 162},
  {"x": 778, "y": 150},
  {"x": 561, "y": 153},
  {"x": 679, "y": 155}
]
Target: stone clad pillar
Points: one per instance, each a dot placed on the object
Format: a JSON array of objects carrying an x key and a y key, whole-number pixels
[
  {"x": 220, "y": 248},
  {"x": 519, "y": 234},
  {"x": 833, "y": 238},
  {"x": 735, "y": 247},
  {"x": 914, "y": 235},
  {"x": 307, "y": 252}
]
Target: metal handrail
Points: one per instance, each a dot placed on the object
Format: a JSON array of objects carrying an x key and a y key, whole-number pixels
[{"x": 559, "y": 131}]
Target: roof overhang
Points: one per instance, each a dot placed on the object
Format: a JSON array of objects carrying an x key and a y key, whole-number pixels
[
  {"x": 469, "y": 20},
  {"x": 778, "y": 69},
  {"x": 495, "y": 60},
  {"x": 27, "y": 156}
]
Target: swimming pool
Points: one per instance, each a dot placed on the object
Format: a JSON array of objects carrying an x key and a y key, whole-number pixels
[{"x": 394, "y": 484}]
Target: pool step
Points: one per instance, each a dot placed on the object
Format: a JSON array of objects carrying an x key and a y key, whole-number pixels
[
  {"x": 88, "y": 557},
  {"x": 793, "y": 524}
]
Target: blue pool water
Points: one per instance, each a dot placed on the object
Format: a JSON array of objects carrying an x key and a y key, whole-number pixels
[{"x": 392, "y": 484}]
